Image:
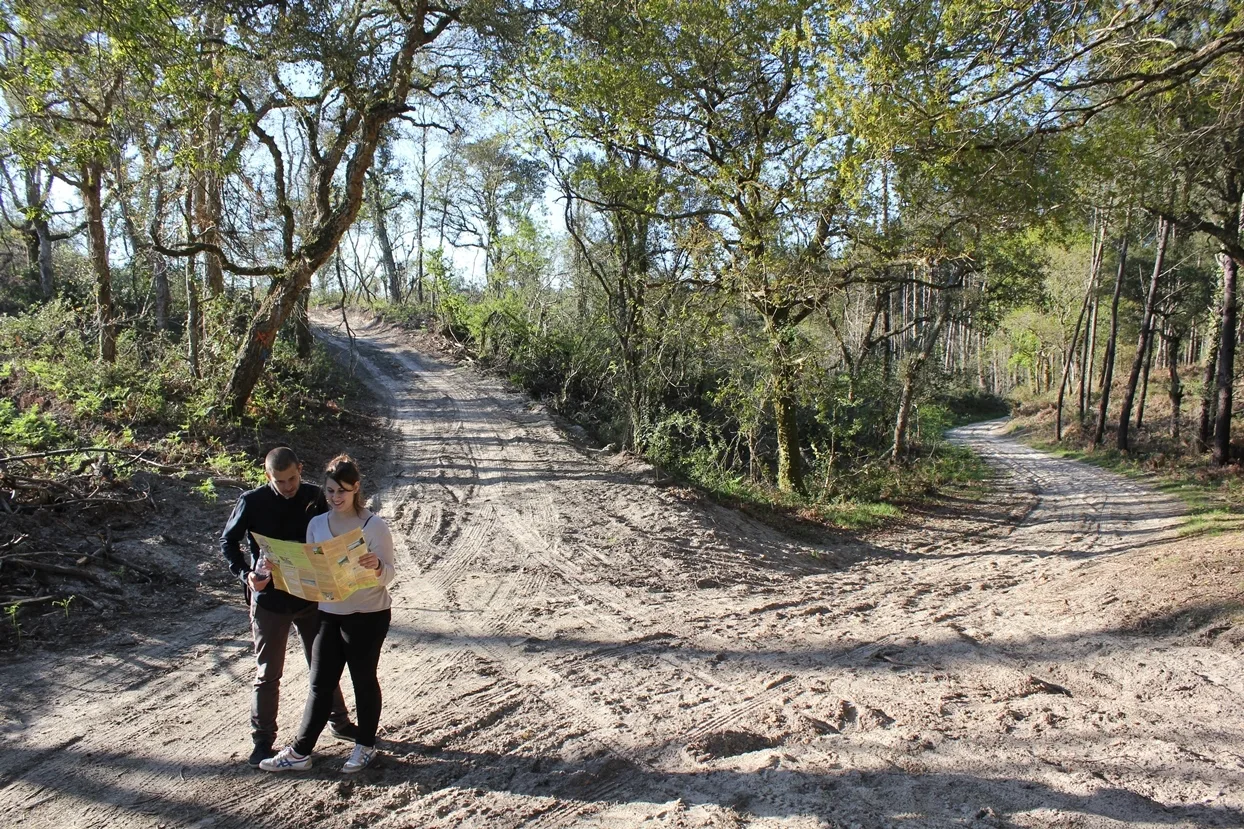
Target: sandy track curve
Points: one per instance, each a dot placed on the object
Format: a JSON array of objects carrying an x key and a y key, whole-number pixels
[{"x": 573, "y": 647}]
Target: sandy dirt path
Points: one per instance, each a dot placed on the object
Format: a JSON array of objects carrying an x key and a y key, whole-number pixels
[{"x": 572, "y": 646}]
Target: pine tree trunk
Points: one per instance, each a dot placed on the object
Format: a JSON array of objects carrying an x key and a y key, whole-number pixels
[
  {"x": 1144, "y": 382},
  {"x": 1089, "y": 355},
  {"x": 980, "y": 360},
  {"x": 194, "y": 322},
  {"x": 1144, "y": 338},
  {"x": 1226, "y": 362},
  {"x": 887, "y": 354},
  {"x": 421, "y": 215},
  {"x": 911, "y": 374},
  {"x": 194, "y": 314},
  {"x": 1206, "y": 417},
  {"x": 1087, "y": 360},
  {"x": 1071, "y": 356},
  {"x": 209, "y": 202},
  {"x": 1175, "y": 390},
  {"x": 1107, "y": 363}
]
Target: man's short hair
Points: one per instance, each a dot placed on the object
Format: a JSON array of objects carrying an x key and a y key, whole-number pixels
[{"x": 280, "y": 458}]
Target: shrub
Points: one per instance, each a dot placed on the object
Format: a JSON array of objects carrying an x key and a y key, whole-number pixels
[
  {"x": 28, "y": 431},
  {"x": 56, "y": 391}
]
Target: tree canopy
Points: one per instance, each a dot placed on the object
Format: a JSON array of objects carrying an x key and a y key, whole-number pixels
[{"x": 767, "y": 234}]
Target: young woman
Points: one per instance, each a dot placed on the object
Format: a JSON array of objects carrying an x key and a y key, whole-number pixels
[{"x": 351, "y": 631}]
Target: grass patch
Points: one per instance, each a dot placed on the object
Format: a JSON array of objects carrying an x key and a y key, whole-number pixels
[
  {"x": 1212, "y": 522},
  {"x": 858, "y": 516}
]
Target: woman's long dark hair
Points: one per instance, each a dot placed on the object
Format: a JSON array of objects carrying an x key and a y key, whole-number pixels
[{"x": 345, "y": 472}]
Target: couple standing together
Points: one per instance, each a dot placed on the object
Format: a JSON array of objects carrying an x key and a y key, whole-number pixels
[{"x": 334, "y": 635}]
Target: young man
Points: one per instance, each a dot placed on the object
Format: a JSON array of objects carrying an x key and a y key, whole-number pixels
[{"x": 280, "y": 509}]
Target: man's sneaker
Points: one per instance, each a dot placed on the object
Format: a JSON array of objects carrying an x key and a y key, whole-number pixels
[
  {"x": 262, "y": 752},
  {"x": 360, "y": 758},
  {"x": 286, "y": 760},
  {"x": 347, "y": 731}
]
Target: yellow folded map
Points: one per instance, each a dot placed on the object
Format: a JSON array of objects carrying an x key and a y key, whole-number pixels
[{"x": 328, "y": 571}]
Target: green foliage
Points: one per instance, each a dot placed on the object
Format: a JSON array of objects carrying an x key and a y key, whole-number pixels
[
  {"x": 28, "y": 431},
  {"x": 752, "y": 181},
  {"x": 682, "y": 442},
  {"x": 499, "y": 326},
  {"x": 706, "y": 417},
  {"x": 292, "y": 381},
  {"x": 494, "y": 326},
  {"x": 207, "y": 491},
  {"x": 402, "y": 313},
  {"x": 20, "y": 290},
  {"x": 62, "y": 67},
  {"x": 55, "y": 357},
  {"x": 450, "y": 301},
  {"x": 11, "y": 611},
  {"x": 931, "y": 421},
  {"x": 854, "y": 416},
  {"x": 1029, "y": 333},
  {"x": 49, "y": 357}
]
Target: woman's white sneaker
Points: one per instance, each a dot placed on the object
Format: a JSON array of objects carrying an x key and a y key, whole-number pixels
[
  {"x": 286, "y": 760},
  {"x": 360, "y": 758}
]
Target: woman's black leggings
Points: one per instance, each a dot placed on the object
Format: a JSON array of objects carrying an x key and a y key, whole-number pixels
[{"x": 355, "y": 640}]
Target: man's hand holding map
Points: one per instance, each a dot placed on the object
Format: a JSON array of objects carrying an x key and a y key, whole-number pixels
[{"x": 324, "y": 572}]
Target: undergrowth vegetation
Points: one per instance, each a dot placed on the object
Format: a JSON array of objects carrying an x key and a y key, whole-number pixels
[
  {"x": 694, "y": 400},
  {"x": 55, "y": 394},
  {"x": 691, "y": 392}
]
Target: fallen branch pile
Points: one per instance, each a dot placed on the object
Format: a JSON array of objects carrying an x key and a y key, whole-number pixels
[
  {"x": 45, "y": 499},
  {"x": 92, "y": 482}
]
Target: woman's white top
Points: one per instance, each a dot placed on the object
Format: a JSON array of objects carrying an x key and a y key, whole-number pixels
[{"x": 379, "y": 541}]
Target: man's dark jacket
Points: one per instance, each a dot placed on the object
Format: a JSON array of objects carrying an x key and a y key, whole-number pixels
[{"x": 265, "y": 511}]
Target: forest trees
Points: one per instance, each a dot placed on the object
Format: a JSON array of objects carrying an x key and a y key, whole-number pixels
[
  {"x": 304, "y": 94},
  {"x": 1176, "y": 77},
  {"x": 1209, "y": 142},
  {"x": 494, "y": 190},
  {"x": 365, "y": 60},
  {"x": 658, "y": 82},
  {"x": 72, "y": 79},
  {"x": 614, "y": 241},
  {"x": 791, "y": 150},
  {"x": 27, "y": 210},
  {"x": 789, "y": 225},
  {"x": 1153, "y": 115}
]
